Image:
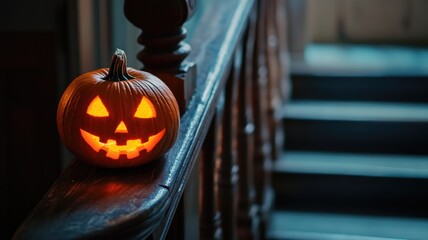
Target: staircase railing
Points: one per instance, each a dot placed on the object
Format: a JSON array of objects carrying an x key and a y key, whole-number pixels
[{"x": 214, "y": 183}]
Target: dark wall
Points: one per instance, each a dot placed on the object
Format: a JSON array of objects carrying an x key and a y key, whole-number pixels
[{"x": 32, "y": 66}]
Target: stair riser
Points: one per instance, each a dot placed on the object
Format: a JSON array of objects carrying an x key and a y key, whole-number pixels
[
  {"x": 399, "y": 89},
  {"x": 356, "y": 194},
  {"x": 356, "y": 136}
]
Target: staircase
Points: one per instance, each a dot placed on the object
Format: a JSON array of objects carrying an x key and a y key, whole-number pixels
[{"x": 355, "y": 162}]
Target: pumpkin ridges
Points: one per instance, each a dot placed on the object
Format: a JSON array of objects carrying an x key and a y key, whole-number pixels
[
  {"x": 166, "y": 98},
  {"x": 121, "y": 99}
]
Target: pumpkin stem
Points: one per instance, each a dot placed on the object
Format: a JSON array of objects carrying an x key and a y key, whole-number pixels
[{"x": 118, "y": 71}]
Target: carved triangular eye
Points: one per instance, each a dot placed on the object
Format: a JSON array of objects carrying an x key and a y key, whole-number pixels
[
  {"x": 97, "y": 108},
  {"x": 145, "y": 109}
]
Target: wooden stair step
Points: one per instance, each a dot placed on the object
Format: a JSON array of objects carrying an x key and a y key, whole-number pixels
[
  {"x": 381, "y": 127},
  {"x": 362, "y": 59},
  {"x": 352, "y": 182},
  {"x": 356, "y": 111},
  {"x": 300, "y": 225},
  {"x": 353, "y": 164},
  {"x": 359, "y": 87},
  {"x": 361, "y": 72}
]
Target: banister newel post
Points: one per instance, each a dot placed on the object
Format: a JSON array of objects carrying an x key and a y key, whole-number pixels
[{"x": 164, "y": 52}]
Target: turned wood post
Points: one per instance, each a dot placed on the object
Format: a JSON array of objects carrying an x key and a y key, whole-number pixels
[
  {"x": 248, "y": 220},
  {"x": 262, "y": 144},
  {"x": 210, "y": 218},
  {"x": 227, "y": 164},
  {"x": 164, "y": 52}
]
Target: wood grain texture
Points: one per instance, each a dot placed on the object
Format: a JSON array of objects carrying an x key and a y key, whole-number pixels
[{"x": 88, "y": 202}]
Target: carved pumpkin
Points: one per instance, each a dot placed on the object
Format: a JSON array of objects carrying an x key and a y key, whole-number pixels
[{"x": 118, "y": 117}]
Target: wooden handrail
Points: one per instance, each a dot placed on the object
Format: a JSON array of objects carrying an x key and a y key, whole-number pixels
[{"x": 91, "y": 202}]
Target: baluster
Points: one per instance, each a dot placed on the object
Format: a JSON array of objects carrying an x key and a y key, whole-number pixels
[
  {"x": 227, "y": 166},
  {"x": 262, "y": 146},
  {"x": 280, "y": 85},
  {"x": 164, "y": 51},
  {"x": 248, "y": 221},
  {"x": 274, "y": 89},
  {"x": 280, "y": 7},
  {"x": 208, "y": 214}
]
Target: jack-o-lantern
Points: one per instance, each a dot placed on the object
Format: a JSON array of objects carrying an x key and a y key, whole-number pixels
[{"x": 118, "y": 117}]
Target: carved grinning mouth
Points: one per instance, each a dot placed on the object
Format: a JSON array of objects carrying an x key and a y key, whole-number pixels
[{"x": 132, "y": 148}]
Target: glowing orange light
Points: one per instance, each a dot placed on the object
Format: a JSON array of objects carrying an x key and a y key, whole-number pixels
[
  {"x": 131, "y": 149},
  {"x": 145, "y": 109},
  {"x": 97, "y": 108},
  {"x": 121, "y": 128}
]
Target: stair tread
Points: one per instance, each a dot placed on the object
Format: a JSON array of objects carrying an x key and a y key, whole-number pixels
[
  {"x": 355, "y": 111},
  {"x": 355, "y": 164},
  {"x": 320, "y": 225},
  {"x": 362, "y": 59}
]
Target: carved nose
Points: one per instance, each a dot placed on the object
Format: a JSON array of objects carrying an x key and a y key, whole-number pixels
[{"x": 121, "y": 128}]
